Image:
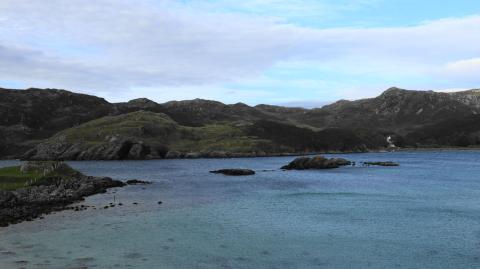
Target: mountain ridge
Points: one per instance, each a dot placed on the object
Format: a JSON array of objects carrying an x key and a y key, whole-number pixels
[{"x": 33, "y": 115}]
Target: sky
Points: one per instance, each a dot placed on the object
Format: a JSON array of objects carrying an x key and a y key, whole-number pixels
[{"x": 297, "y": 53}]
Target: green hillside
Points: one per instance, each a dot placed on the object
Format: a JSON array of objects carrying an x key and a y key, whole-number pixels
[{"x": 150, "y": 135}]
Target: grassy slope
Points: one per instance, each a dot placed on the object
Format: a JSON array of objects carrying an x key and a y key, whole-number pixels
[
  {"x": 12, "y": 178},
  {"x": 218, "y": 137},
  {"x": 159, "y": 129},
  {"x": 136, "y": 124}
]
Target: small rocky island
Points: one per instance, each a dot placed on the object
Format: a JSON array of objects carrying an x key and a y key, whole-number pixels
[
  {"x": 234, "y": 172},
  {"x": 317, "y": 162},
  {"x": 36, "y": 188},
  {"x": 380, "y": 163},
  {"x": 320, "y": 162}
]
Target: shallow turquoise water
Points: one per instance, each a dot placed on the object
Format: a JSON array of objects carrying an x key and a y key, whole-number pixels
[{"x": 423, "y": 214}]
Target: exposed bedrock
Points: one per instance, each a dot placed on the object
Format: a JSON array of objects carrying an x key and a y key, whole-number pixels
[{"x": 317, "y": 162}]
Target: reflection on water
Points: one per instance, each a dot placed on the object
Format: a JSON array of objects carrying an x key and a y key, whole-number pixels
[{"x": 423, "y": 214}]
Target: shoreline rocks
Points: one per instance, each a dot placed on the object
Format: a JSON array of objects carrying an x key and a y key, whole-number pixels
[
  {"x": 317, "y": 162},
  {"x": 234, "y": 172},
  {"x": 32, "y": 202},
  {"x": 137, "y": 182},
  {"x": 135, "y": 150}
]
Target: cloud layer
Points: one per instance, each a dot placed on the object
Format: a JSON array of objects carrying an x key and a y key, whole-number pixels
[{"x": 122, "y": 49}]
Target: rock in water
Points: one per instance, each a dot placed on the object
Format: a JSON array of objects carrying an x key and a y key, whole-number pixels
[
  {"x": 381, "y": 163},
  {"x": 234, "y": 172},
  {"x": 137, "y": 182},
  {"x": 317, "y": 162}
]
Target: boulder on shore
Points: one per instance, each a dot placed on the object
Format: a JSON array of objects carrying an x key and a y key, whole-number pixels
[
  {"x": 317, "y": 162},
  {"x": 234, "y": 172}
]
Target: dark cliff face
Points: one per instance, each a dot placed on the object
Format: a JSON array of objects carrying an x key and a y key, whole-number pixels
[{"x": 412, "y": 117}]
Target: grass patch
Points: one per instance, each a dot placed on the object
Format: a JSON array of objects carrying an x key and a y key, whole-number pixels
[
  {"x": 11, "y": 178},
  {"x": 137, "y": 124}
]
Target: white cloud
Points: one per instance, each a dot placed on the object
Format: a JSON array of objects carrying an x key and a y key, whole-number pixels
[
  {"x": 131, "y": 48},
  {"x": 127, "y": 44},
  {"x": 466, "y": 70}
]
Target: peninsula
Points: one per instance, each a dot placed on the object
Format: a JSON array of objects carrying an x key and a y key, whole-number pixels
[{"x": 37, "y": 188}]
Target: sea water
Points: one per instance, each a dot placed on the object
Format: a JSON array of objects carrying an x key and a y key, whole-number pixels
[{"x": 423, "y": 214}]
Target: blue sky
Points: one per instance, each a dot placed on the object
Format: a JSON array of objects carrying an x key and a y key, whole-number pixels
[
  {"x": 347, "y": 13},
  {"x": 293, "y": 52}
]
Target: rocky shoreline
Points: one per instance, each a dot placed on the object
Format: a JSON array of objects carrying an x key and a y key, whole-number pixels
[
  {"x": 115, "y": 153},
  {"x": 32, "y": 202},
  {"x": 224, "y": 155}
]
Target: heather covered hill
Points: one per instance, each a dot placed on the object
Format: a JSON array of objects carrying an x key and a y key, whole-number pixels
[
  {"x": 470, "y": 97},
  {"x": 142, "y": 135},
  {"x": 412, "y": 118},
  {"x": 454, "y": 132},
  {"x": 35, "y": 114},
  {"x": 150, "y": 135},
  {"x": 307, "y": 140},
  {"x": 395, "y": 110},
  {"x": 199, "y": 112}
]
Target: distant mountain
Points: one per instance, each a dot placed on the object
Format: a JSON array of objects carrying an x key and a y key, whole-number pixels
[
  {"x": 199, "y": 112},
  {"x": 33, "y": 114},
  {"x": 470, "y": 98},
  {"x": 395, "y": 110},
  {"x": 414, "y": 118},
  {"x": 457, "y": 132}
]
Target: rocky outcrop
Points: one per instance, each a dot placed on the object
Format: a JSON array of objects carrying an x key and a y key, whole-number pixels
[
  {"x": 470, "y": 97},
  {"x": 173, "y": 155},
  {"x": 234, "y": 172},
  {"x": 31, "y": 202},
  {"x": 115, "y": 150},
  {"x": 138, "y": 182},
  {"x": 317, "y": 162}
]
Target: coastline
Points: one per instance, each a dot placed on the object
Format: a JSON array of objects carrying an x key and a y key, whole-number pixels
[
  {"x": 196, "y": 155},
  {"x": 32, "y": 202},
  {"x": 197, "y": 212},
  {"x": 430, "y": 149},
  {"x": 29, "y": 203}
]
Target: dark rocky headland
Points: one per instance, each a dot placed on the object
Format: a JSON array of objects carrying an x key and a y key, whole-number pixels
[
  {"x": 49, "y": 124},
  {"x": 38, "y": 188}
]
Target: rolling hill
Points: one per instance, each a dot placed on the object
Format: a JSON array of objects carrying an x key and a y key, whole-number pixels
[{"x": 39, "y": 118}]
